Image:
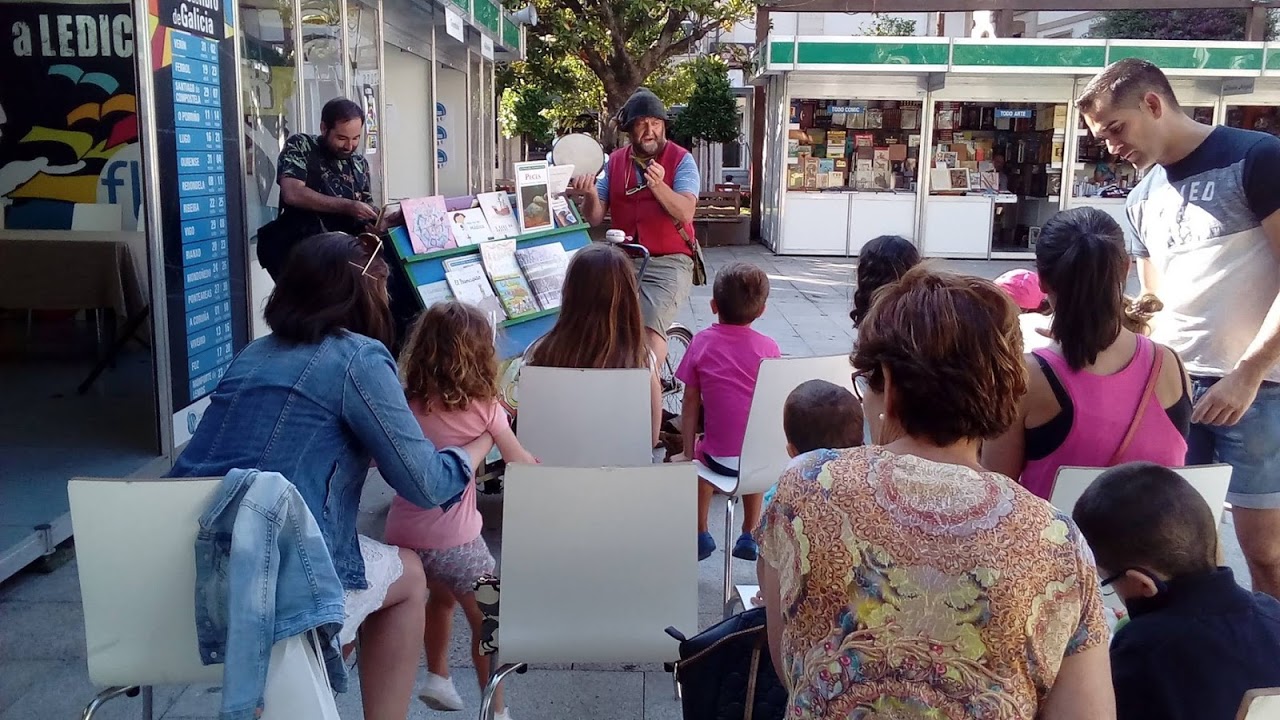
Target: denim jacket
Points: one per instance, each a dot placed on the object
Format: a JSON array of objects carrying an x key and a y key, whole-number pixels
[
  {"x": 263, "y": 574},
  {"x": 317, "y": 413}
]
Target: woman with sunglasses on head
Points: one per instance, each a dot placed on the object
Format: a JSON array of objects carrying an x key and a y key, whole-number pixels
[
  {"x": 316, "y": 401},
  {"x": 903, "y": 579}
]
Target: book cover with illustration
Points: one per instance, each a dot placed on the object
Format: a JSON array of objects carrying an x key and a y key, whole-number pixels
[
  {"x": 533, "y": 195},
  {"x": 470, "y": 227},
  {"x": 497, "y": 210},
  {"x": 470, "y": 284},
  {"x": 499, "y": 258},
  {"x": 544, "y": 266},
  {"x": 562, "y": 212},
  {"x": 427, "y": 224}
]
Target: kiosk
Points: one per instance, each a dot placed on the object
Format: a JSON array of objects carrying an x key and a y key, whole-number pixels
[{"x": 987, "y": 163}]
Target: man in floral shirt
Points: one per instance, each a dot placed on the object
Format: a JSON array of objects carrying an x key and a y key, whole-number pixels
[{"x": 324, "y": 185}]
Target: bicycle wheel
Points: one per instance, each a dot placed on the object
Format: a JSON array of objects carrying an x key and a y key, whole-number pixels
[{"x": 678, "y": 339}]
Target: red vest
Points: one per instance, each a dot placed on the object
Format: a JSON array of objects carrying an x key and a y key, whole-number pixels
[{"x": 640, "y": 214}]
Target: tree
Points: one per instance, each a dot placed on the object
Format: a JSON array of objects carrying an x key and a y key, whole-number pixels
[
  {"x": 712, "y": 113},
  {"x": 1175, "y": 24},
  {"x": 889, "y": 26},
  {"x": 589, "y": 56}
]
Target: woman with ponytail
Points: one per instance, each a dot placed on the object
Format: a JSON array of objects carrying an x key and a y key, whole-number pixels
[{"x": 1100, "y": 394}]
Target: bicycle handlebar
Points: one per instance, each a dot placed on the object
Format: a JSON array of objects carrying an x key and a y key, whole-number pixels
[{"x": 636, "y": 250}]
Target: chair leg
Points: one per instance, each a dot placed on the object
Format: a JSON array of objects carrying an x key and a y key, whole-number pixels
[
  {"x": 486, "y": 699},
  {"x": 107, "y": 695},
  {"x": 728, "y": 553},
  {"x": 148, "y": 702}
]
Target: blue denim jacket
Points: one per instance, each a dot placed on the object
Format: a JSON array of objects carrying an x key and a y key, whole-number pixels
[
  {"x": 263, "y": 574},
  {"x": 317, "y": 414}
]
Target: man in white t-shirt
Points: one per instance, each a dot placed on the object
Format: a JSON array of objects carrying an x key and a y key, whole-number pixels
[{"x": 1207, "y": 238}]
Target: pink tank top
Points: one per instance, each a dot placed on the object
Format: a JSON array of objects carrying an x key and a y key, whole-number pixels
[{"x": 1104, "y": 407}]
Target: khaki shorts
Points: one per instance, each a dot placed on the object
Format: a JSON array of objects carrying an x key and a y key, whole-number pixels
[{"x": 667, "y": 282}]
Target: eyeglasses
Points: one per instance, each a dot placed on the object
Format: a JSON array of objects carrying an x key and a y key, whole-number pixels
[
  {"x": 861, "y": 385},
  {"x": 371, "y": 244}
]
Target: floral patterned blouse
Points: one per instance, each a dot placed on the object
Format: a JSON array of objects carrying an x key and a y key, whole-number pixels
[{"x": 914, "y": 589}]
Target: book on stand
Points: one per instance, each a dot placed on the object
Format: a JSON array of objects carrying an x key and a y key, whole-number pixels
[
  {"x": 470, "y": 284},
  {"x": 499, "y": 259},
  {"x": 497, "y": 210},
  {"x": 533, "y": 196},
  {"x": 434, "y": 293},
  {"x": 470, "y": 227},
  {"x": 545, "y": 267},
  {"x": 425, "y": 219}
]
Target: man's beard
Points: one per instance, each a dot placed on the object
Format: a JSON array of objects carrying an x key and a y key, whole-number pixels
[
  {"x": 652, "y": 147},
  {"x": 337, "y": 152}
]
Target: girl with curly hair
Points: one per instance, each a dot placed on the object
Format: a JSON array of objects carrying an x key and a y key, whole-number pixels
[
  {"x": 882, "y": 261},
  {"x": 450, "y": 372}
]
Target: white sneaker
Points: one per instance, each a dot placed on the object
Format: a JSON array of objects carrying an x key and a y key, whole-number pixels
[
  {"x": 504, "y": 715},
  {"x": 439, "y": 693}
]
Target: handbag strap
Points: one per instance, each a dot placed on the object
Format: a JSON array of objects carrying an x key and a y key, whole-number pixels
[
  {"x": 1143, "y": 401},
  {"x": 749, "y": 705}
]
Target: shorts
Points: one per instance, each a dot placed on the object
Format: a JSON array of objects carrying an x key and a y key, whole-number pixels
[
  {"x": 1251, "y": 447},
  {"x": 458, "y": 568},
  {"x": 382, "y": 568},
  {"x": 667, "y": 282}
]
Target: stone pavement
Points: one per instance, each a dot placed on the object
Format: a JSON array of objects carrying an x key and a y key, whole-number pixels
[{"x": 42, "y": 653}]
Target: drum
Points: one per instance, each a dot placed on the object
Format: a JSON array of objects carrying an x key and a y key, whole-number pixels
[{"x": 579, "y": 150}]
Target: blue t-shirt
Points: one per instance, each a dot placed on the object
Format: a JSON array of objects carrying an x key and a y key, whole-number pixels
[{"x": 687, "y": 179}]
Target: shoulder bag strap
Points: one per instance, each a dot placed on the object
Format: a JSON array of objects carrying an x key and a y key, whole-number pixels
[{"x": 1143, "y": 401}]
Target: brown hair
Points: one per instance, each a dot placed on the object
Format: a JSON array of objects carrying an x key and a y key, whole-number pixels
[
  {"x": 1139, "y": 311},
  {"x": 1125, "y": 83},
  {"x": 820, "y": 414},
  {"x": 599, "y": 325},
  {"x": 954, "y": 348},
  {"x": 880, "y": 262},
  {"x": 325, "y": 289},
  {"x": 740, "y": 291},
  {"x": 449, "y": 360},
  {"x": 1081, "y": 261},
  {"x": 1143, "y": 515}
]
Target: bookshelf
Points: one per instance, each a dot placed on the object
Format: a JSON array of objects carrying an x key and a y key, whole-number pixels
[{"x": 515, "y": 334}]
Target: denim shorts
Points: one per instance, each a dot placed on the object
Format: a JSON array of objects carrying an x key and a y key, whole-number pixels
[
  {"x": 667, "y": 282},
  {"x": 1251, "y": 447}
]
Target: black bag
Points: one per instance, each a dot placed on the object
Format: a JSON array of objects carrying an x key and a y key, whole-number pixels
[
  {"x": 277, "y": 238},
  {"x": 725, "y": 672}
]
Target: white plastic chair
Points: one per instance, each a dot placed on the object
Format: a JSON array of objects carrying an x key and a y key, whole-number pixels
[
  {"x": 1260, "y": 704},
  {"x": 596, "y": 564},
  {"x": 764, "y": 447},
  {"x": 586, "y": 418},
  {"x": 135, "y": 554},
  {"x": 1211, "y": 480}
]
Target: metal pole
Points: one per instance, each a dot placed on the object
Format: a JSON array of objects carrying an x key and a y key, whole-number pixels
[{"x": 151, "y": 207}]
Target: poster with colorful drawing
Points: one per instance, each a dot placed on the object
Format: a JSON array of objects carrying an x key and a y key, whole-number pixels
[
  {"x": 428, "y": 223},
  {"x": 69, "y": 154}
]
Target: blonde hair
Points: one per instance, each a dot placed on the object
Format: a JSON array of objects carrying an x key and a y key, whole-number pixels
[
  {"x": 1139, "y": 311},
  {"x": 449, "y": 360}
]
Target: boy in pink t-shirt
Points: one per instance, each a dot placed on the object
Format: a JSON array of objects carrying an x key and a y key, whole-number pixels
[{"x": 719, "y": 372}]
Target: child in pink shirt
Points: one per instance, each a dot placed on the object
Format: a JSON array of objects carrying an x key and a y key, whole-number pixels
[
  {"x": 719, "y": 373},
  {"x": 450, "y": 371}
]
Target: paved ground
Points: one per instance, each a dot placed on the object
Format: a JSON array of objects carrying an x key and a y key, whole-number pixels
[{"x": 42, "y": 666}]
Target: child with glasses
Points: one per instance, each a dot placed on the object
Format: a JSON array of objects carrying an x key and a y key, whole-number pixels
[{"x": 1196, "y": 640}]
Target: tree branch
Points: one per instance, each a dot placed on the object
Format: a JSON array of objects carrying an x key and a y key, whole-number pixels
[{"x": 653, "y": 57}]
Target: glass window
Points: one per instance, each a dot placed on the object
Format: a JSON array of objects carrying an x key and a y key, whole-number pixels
[
  {"x": 322, "y": 72},
  {"x": 269, "y": 87},
  {"x": 362, "y": 45}
]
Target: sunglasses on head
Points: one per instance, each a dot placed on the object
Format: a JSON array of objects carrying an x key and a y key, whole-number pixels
[{"x": 371, "y": 244}]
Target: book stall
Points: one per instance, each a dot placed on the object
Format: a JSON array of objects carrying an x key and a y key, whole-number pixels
[
  {"x": 845, "y": 157},
  {"x": 505, "y": 253}
]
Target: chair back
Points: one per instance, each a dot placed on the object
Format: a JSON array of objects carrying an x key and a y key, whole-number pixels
[
  {"x": 586, "y": 418},
  {"x": 135, "y": 550},
  {"x": 1211, "y": 480},
  {"x": 764, "y": 446},
  {"x": 1260, "y": 704},
  {"x": 597, "y": 563}
]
